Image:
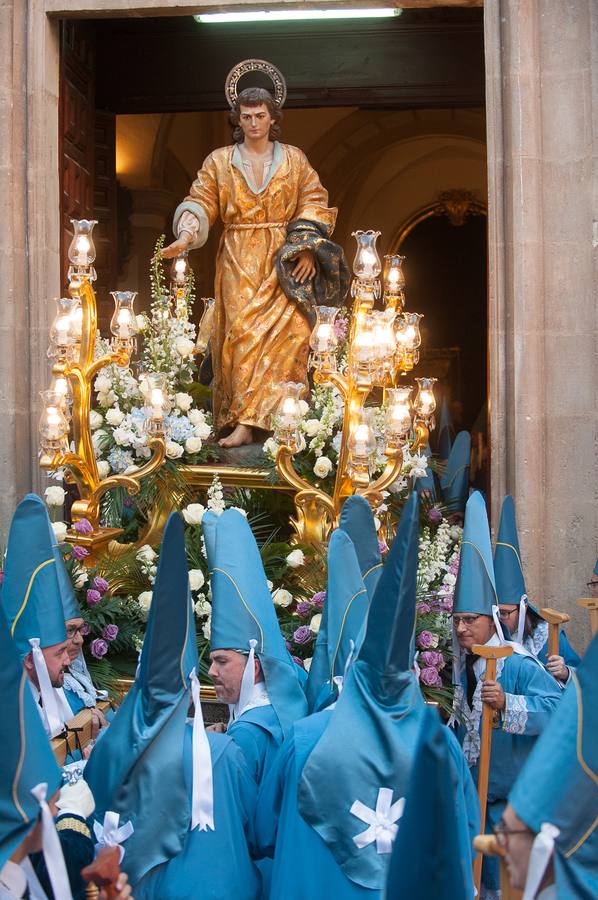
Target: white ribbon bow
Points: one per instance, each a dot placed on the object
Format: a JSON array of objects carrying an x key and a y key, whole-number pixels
[
  {"x": 110, "y": 835},
  {"x": 382, "y": 821},
  {"x": 49, "y": 700},
  {"x": 51, "y": 847},
  {"x": 542, "y": 850},
  {"x": 202, "y": 794}
]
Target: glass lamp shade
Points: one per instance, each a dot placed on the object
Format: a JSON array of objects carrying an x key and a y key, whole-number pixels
[
  {"x": 155, "y": 390},
  {"x": 425, "y": 402},
  {"x": 289, "y": 413},
  {"x": 367, "y": 263},
  {"x": 179, "y": 269},
  {"x": 398, "y": 414},
  {"x": 323, "y": 339},
  {"x": 53, "y": 424},
  {"x": 408, "y": 340},
  {"x": 362, "y": 440},
  {"x": 60, "y": 386},
  {"x": 123, "y": 323},
  {"x": 394, "y": 281},
  {"x": 61, "y": 330},
  {"x": 77, "y": 322},
  {"x": 384, "y": 342},
  {"x": 82, "y": 251}
]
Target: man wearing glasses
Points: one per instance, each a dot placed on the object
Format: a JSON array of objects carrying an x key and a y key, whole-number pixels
[{"x": 523, "y": 696}]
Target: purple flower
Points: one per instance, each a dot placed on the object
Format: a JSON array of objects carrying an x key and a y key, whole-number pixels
[
  {"x": 303, "y": 634},
  {"x": 289, "y": 646},
  {"x": 435, "y": 516},
  {"x": 382, "y": 547},
  {"x": 83, "y": 526},
  {"x": 80, "y": 553},
  {"x": 110, "y": 632},
  {"x": 299, "y": 662},
  {"x": 304, "y": 609},
  {"x": 447, "y": 604},
  {"x": 99, "y": 648},
  {"x": 1, "y": 577},
  {"x": 340, "y": 329},
  {"x": 318, "y": 599},
  {"x": 100, "y": 584},
  {"x": 424, "y": 640},
  {"x": 85, "y": 629},
  {"x": 432, "y": 658},
  {"x": 93, "y": 597},
  {"x": 430, "y": 677},
  {"x": 423, "y": 608}
]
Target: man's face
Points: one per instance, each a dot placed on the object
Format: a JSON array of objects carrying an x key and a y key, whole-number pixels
[
  {"x": 516, "y": 840},
  {"x": 57, "y": 660},
  {"x": 226, "y": 672},
  {"x": 509, "y": 616},
  {"x": 473, "y": 629},
  {"x": 74, "y": 637},
  {"x": 255, "y": 121}
]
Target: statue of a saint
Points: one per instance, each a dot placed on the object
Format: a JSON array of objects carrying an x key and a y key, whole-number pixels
[{"x": 274, "y": 263}]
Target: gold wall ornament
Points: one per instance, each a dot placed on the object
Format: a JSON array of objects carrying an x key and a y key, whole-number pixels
[
  {"x": 382, "y": 348},
  {"x": 448, "y": 203},
  {"x": 73, "y": 349},
  {"x": 457, "y": 205}
]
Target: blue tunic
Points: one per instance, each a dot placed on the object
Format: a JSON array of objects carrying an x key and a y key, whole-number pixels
[
  {"x": 571, "y": 658},
  {"x": 531, "y": 696},
  {"x": 259, "y": 735},
  {"x": 304, "y": 868},
  {"x": 213, "y": 865},
  {"x": 75, "y": 702}
]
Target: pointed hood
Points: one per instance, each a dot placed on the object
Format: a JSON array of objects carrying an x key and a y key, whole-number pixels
[
  {"x": 559, "y": 782},
  {"x": 454, "y": 481},
  {"x": 596, "y": 568},
  {"x": 446, "y": 432},
  {"x": 357, "y": 521},
  {"x": 421, "y": 868},
  {"x": 27, "y": 758},
  {"x": 363, "y": 760},
  {"x": 475, "y": 590},
  {"x": 31, "y": 590},
  {"x": 243, "y": 612},
  {"x": 343, "y": 615},
  {"x": 508, "y": 568},
  {"x": 140, "y": 755}
]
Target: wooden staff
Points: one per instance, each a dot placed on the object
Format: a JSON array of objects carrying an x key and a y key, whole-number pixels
[
  {"x": 555, "y": 620},
  {"x": 490, "y": 654},
  {"x": 591, "y": 604},
  {"x": 487, "y": 845}
]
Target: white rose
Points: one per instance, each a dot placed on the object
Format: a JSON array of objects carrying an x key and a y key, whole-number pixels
[
  {"x": 122, "y": 436},
  {"x": 202, "y": 430},
  {"x": 455, "y": 532},
  {"x": 114, "y": 416},
  {"x": 103, "y": 468},
  {"x": 183, "y": 401},
  {"x": 55, "y": 495},
  {"x": 81, "y": 579},
  {"x": 141, "y": 321},
  {"x": 60, "y": 530},
  {"x": 271, "y": 447},
  {"x": 95, "y": 420},
  {"x": 202, "y": 608},
  {"x": 295, "y": 559},
  {"x": 130, "y": 470},
  {"x": 282, "y": 597},
  {"x": 106, "y": 400},
  {"x": 146, "y": 554},
  {"x": 145, "y": 600},
  {"x": 193, "y": 445},
  {"x": 196, "y": 416},
  {"x": 196, "y": 579},
  {"x": 183, "y": 346},
  {"x": 449, "y": 578},
  {"x": 173, "y": 450},
  {"x": 322, "y": 467},
  {"x": 103, "y": 384},
  {"x": 303, "y": 407},
  {"x": 311, "y": 427},
  {"x": 270, "y": 585},
  {"x": 193, "y": 514},
  {"x": 307, "y": 663},
  {"x": 144, "y": 386},
  {"x": 207, "y": 628},
  {"x": 315, "y": 623}
]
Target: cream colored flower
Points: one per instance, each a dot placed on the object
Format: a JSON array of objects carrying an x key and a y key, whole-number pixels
[
  {"x": 103, "y": 468},
  {"x": 196, "y": 579},
  {"x": 193, "y": 444},
  {"x": 114, "y": 416},
  {"x": 96, "y": 420},
  {"x": 315, "y": 622},
  {"x": 60, "y": 530},
  {"x": 145, "y": 600},
  {"x": 311, "y": 427},
  {"x": 183, "y": 401},
  {"x": 174, "y": 450},
  {"x": 55, "y": 495},
  {"x": 193, "y": 514},
  {"x": 295, "y": 559},
  {"x": 282, "y": 597},
  {"x": 322, "y": 467},
  {"x": 184, "y": 347},
  {"x": 146, "y": 554}
]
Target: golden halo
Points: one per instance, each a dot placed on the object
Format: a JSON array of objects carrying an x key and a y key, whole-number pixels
[{"x": 255, "y": 65}]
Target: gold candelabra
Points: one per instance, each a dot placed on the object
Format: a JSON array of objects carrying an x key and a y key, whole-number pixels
[
  {"x": 383, "y": 348},
  {"x": 67, "y": 404}
]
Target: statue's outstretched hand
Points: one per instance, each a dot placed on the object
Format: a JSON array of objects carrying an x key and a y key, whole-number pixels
[
  {"x": 182, "y": 243},
  {"x": 305, "y": 266}
]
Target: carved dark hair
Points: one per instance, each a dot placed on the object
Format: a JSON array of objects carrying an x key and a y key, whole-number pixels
[{"x": 255, "y": 96}]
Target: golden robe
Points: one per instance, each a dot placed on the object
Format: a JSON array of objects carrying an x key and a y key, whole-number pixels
[{"x": 259, "y": 338}]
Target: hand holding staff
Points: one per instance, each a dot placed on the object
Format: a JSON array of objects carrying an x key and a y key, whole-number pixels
[{"x": 490, "y": 654}]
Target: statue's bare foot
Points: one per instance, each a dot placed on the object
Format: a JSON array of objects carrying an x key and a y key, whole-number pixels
[{"x": 242, "y": 434}]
